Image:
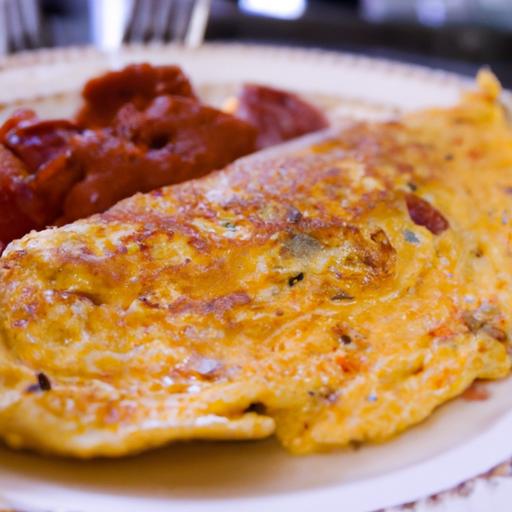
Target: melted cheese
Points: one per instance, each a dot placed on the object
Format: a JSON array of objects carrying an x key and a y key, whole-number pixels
[{"x": 289, "y": 294}]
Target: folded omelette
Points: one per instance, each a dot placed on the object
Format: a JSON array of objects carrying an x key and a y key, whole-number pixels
[{"x": 334, "y": 291}]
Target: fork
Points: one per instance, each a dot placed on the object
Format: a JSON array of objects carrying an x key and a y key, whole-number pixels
[
  {"x": 20, "y": 25},
  {"x": 114, "y": 22},
  {"x": 167, "y": 20}
]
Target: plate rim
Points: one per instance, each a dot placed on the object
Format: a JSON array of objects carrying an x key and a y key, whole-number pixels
[{"x": 406, "y": 69}]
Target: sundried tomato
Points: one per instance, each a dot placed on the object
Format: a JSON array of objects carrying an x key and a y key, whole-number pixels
[
  {"x": 424, "y": 214},
  {"x": 137, "y": 83},
  {"x": 278, "y": 115}
]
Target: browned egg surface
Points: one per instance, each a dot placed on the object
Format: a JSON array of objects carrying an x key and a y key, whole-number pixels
[{"x": 329, "y": 294}]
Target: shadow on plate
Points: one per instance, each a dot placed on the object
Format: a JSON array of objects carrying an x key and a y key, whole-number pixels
[{"x": 224, "y": 470}]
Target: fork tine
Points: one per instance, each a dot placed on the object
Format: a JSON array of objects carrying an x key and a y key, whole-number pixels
[
  {"x": 133, "y": 18},
  {"x": 30, "y": 16},
  {"x": 3, "y": 29},
  {"x": 164, "y": 20},
  {"x": 143, "y": 23},
  {"x": 161, "y": 19},
  {"x": 22, "y": 24},
  {"x": 168, "y": 34},
  {"x": 181, "y": 19},
  {"x": 196, "y": 27},
  {"x": 14, "y": 27},
  {"x": 150, "y": 12},
  {"x": 26, "y": 38}
]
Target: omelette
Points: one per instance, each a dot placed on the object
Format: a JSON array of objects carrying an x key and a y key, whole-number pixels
[{"x": 328, "y": 292}]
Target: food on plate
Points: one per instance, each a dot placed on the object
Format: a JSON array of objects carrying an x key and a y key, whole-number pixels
[
  {"x": 139, "y": 128},
  {"x": 278, "y": 115},
  {"x": 332, "y": 291},
  {"x": 34, "y": 172},
  {"x": 173, "y": 139},
  {"x": 137, "y": 84}
]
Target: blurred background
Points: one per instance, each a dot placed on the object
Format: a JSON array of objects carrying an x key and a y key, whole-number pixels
[{"x": 457, "y": 35}]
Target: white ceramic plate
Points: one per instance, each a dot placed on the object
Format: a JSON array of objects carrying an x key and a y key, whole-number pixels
[{"x": 459, "y": 441}]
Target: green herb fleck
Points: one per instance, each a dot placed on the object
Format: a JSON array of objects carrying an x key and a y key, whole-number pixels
[
  {"x": 346, "y": 339},
  {"x": 411, "y": 237},
  {"x": 342, "y": 296},
  {"x": 295, "y": 279},
  {"x": 229, "y": 226}
]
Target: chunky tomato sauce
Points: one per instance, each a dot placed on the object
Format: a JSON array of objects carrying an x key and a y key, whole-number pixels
[
  {"x": 139, "y": 128},
  {"x": 137, "y": 84}
]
